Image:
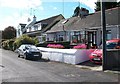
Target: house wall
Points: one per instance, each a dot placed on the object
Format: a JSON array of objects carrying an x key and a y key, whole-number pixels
[
  {"x": 99, "y": 37},
  {"x": 55, "y": 36},
  {"x": 18, "y": 31},
  {"x": 60, "y": 34},
  {"x": 115, "y": 33},
  {"x": 50, "y": 37}
]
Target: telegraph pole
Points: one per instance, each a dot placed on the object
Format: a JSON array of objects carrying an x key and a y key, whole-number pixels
[{"x": 103, "y": 23}]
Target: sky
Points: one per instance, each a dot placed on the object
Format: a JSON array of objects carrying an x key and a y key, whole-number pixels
[{"x": 13, "y": 12}]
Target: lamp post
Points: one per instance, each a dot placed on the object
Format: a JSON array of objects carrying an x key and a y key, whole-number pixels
[{"x": 103, "y": 23}]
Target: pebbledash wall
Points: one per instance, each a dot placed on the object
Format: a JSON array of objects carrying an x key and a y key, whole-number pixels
[{"x": 70, "y": 56}]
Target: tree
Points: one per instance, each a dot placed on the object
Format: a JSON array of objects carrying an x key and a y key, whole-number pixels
[
  {"x": 108, "y": 4},
  {"x": 76, "y": 11},
  {"x": 9, "y": 33}
]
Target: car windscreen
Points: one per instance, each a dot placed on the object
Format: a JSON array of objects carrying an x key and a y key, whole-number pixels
[
  {"x": 31, "y": 47},
  {"x": 111, "y": 45}
]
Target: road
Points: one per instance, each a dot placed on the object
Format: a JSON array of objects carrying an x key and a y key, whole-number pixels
[{"x": 16, "y": 69}]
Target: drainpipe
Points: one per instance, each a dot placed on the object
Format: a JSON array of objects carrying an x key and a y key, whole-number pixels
[
  {"x": 118, "y": 32},
  {"x": 64, "y": 32},
  {"x": 103, "y": 23}
]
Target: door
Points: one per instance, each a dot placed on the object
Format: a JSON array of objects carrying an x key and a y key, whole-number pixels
[{"x": 91, "y": 38}]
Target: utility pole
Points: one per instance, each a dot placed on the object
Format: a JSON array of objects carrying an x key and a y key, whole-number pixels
[{"x": 103, "y": 23}]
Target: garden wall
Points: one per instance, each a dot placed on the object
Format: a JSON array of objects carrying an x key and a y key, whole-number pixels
[
  {"x": 70, "y": 56},
  {"x": 113, "y": 59}
]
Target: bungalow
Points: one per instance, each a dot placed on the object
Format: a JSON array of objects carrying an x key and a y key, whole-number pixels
[
  {"x": 38, "y": 28},
  {"x": 86, "y": 29}
]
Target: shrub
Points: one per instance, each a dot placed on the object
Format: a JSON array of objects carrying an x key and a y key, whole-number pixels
[
  {"x": 8, "y": 44},
  {"x": 80, "y": 46},
  {"x": 66, "y": 44},
  {"x": 24, "y": 39},
  {"x": 5, "y": 44},
  {"x": 36, "y": 41},
  {"x": 55, "y": 46}
]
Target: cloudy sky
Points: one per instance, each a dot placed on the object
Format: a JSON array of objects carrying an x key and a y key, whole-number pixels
[{"x": 13, "y": 12}]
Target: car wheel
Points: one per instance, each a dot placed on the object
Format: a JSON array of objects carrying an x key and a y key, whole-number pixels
[
  {"x": 24, "y": 56},
  {"x": 19, "y": 55}
]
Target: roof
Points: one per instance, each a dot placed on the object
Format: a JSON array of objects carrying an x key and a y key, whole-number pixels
[
  {"x": 90, "y": 21},
  {"x": 50, "y": 21},
  {"x": 64, "y": 24}
]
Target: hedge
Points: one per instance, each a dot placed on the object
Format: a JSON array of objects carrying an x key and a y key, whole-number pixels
[
  {"x": 13, "y": 44},
  {"x": 25, "y": 39},
  {"x": 8, "y": 44}
]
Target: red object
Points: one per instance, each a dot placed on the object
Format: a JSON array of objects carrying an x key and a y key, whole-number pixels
[{"x": 96, "y": 56}]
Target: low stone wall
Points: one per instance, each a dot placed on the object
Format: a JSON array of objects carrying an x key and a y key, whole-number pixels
[
  {"x": 113, "y": 59},
  {"x": 70, "y": 56}
]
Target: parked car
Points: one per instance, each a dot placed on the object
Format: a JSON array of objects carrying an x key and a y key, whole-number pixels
[
  {"x": 29, "y": 52},
  {"x": 96, "y": 56}
]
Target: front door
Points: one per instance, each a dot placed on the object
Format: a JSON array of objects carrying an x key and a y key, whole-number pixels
[{"x": 91, "y": 38}]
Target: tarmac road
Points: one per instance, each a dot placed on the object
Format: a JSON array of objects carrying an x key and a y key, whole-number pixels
[{"x": 16, "y": 69}]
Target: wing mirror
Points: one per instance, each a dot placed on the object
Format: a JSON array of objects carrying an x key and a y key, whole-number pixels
[{"x": 23, "y": 49}]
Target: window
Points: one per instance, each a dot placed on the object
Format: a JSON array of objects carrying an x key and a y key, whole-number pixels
[
  {"x": 60, "y": 37},
  {"x": 109, "y": 36},
  {"x": 75, "y": 39},
  {"x": 79, "y": 37}
]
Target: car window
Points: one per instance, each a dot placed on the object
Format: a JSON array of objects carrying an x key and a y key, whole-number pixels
[
  {"x": 21, "y": 47},
  {"x": 30, "y": 47},
  {"x": 109, "y": 45},
  {"x": 33, "y": 47}
]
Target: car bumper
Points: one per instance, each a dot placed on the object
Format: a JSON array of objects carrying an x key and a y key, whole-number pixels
[
  {"x": 34, "y": 56},
  {"x": 96, "y": 60}
]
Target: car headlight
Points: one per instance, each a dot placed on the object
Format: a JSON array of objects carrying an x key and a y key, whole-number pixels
[{"x": 94, "y": 54}]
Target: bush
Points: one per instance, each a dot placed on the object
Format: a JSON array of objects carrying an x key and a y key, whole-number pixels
[
  {"x": 66, "y": 44},
  {"x": 36, "y": 41},
  {"x": 5, "y": 44},
  {"x": 24, "y": 39},
  {"x": 55, "y": 46},
  {"x": 8, "y": 44},
  {"x": 80, "y": 46}
]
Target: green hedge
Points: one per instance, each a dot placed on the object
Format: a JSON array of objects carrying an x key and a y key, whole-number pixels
[
  {"x": 25, "y": 39},
  {"x": 13, "y": 44},
  {"x": 66, "y": 44}
]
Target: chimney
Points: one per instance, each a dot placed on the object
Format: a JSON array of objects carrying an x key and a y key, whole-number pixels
[{"x": 34, "y": 18}]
